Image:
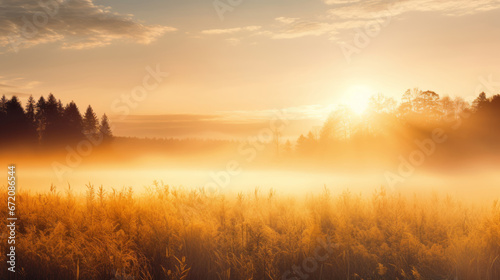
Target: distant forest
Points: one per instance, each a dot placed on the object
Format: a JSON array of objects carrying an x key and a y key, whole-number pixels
[
  {"x": 385, "y": 131},
  {"x": 48, "y": 123},
  {"x": 389, "y": 129}
]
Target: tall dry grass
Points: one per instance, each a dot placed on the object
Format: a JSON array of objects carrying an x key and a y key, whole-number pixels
[{"x": 174, "y": 233}]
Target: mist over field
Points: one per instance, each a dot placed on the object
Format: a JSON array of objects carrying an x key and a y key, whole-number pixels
[
  {"x": 421, "y": 143},
  {"x": 361, "y": 183},
  {"x": 249, "y": 140}
]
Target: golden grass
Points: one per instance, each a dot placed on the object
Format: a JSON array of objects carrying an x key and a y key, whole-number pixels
[{"x": 173, "y": 233}]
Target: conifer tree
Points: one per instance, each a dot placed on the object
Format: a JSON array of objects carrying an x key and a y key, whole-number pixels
[
  {"x": 30, "y": 109},
  {"x": 73, "y": 122},
  {"x": 90, "y": 122},
  {"x": 105, "y": 129}
]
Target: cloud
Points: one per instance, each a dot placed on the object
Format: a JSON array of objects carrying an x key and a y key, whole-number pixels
[
  {"x": 77, "y": 24},
  {"x": 6, "y": 86},
  {"x": 16, "y": 86},
  {"x": 340, "y": 2},
  {"x": 342, "y": 15},
  {"x": 230, "y": 30},
  {"x": 371, "y": 8},
  {"x": 235, "y": 39},
  {"x": 286, "y": 20},
  {"x": 303, "y": 28},
  {"x": 16, "y": 93}
]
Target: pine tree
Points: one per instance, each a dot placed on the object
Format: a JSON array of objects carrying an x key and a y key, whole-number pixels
[
  {"x": 52, "y": 113},
  {"x": 3, "y": 101},
  {"x": 302, "y": 146},
  {"x": 53, "y": 122},
  {"x": 51, "y": 107},
  {"x": 60, "y": 107},
  {"x": 31, "y": 119},
  {"x": 40, "y": 117},
  {"x": 40, "y": 108},
  {"x": 90, "y": 122},
  {"x": 17, "y": 123},
  {"x": 105, "y": 129},
  {"x": 3, "y": 121},
  {"x": 480, "y": 101},
  {"x": 14, "y": 109},
  {"x": 73, "y": 122},
  {"x": 30, "y": 109}
]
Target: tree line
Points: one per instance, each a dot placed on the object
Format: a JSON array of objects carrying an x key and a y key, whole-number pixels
[
  {"x": 47, "y": 122},
  {"x": 390, "y": 126}
]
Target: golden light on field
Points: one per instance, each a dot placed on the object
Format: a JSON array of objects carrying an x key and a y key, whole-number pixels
[{"x": 237, "y": 140}]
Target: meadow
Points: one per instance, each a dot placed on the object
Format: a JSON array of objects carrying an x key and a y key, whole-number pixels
[{"x": 177, "y": 233}]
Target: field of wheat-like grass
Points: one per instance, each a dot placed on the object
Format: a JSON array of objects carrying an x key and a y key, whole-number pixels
[{"x": 176, "y": 233}]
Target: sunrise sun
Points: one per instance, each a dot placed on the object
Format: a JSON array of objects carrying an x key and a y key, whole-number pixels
[{"x": 357, "y": 98}]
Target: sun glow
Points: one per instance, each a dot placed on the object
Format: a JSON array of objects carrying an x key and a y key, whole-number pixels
[{"x": 357, "y": 98}]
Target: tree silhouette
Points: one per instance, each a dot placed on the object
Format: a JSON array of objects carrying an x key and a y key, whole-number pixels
[
  {"x": 105, "y": 129},
  {"x": 480, "y": 101},
  {"x": 3, "y": 101},
  {"x": 60, "y": 107},
  {"x": 427, "y": 105},
  {"x": 47, "y": 122},
  {"x": 73, "y": 122},
  {"x": 406, "y": 107},
  {"x": 381, "y": 104},
  {"x": 419, "y": 106},
  {"x": 30, "y": 109},
  {"x": 387, "y": 130},
  {"x": 302, "y": 145},
  {"x": 90, "y": 122},
  {"x": 495, "y": 104},
  {"x": 31, "y": 118},
  {"x": 54, "y": 128},
  {"x": 308, "y": 144},
  {"x": 330, "y": 128},
  {"x": 40, "y": 117},
  {"x": 447, "y": 107},
  {"x": 3, "y": 117},
  {"x": 20, "y": 130}
]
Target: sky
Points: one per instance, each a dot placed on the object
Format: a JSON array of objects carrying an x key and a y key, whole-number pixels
[{"x": 182, "y": 67}]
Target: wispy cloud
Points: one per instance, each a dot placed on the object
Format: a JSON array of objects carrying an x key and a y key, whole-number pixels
[
  {"x": 362, "y": 9},
  {"x": 286, "y": 20},
  {"x": 230, "y": 30},
  {"x": 300, "y": 28},
  {"x": 6, "y": 86},
  {"x": 77, "y": 24},
  {"x": 340, "y": 2},
  {"x": 16, "y": 86},
  {"x": 342, "y": 15}
]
